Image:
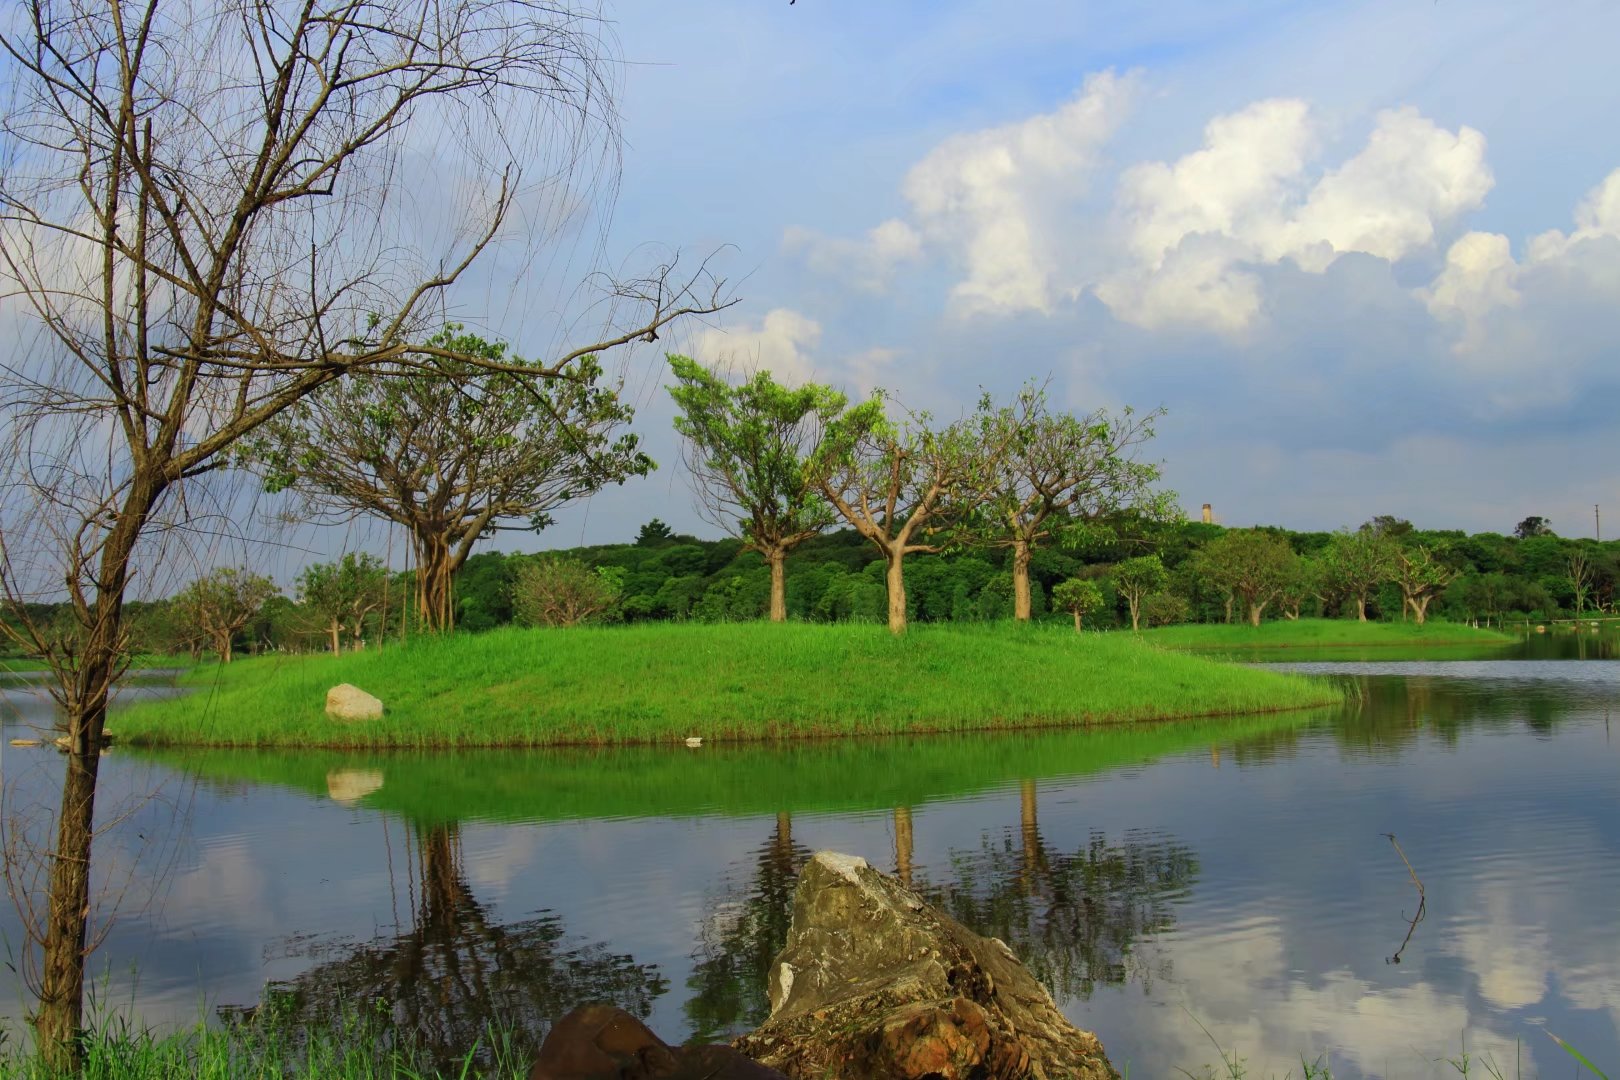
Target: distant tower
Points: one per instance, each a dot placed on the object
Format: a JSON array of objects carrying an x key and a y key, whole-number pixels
[{"x": 1209, "y": 515}]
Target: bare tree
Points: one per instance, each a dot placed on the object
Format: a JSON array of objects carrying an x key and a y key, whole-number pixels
[
  {"x": 220, "y": 603},
  {"x": 453, "y": 456},
  {"x": 198, "y": 208},
  {"x": 1578, "y": 572}
]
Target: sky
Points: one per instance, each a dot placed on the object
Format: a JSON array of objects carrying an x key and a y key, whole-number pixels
[{"x": 1366, "y": 255}]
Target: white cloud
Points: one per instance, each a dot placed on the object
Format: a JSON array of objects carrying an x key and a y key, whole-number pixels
[
  {"x": 780, "y": 343},
  {"x": 869, "y": 263},
  {"x": 785, "y": 343},
  {"x": 1194, "y": 230},
  {"x": 988, "y": 200},
  {"x": 1510, "y": 315},
  {"x": 987, "y": 195}
]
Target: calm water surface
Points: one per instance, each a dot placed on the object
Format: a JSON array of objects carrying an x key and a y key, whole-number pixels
[{"x": 1233, "y": 875}]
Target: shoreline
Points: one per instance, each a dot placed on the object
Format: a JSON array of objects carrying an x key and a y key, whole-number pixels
[{"x": 723, "y": 683}]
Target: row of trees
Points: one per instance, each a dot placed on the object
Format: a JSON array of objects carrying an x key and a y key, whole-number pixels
[
  {"x": 1190, "y": 572},
  {"x": 775, "y": 466}
]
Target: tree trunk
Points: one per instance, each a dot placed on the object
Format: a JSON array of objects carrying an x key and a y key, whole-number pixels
[
  {"x": 1228, "y": 607},
  {"x": 1255, "y": 610},
  {"x": 435, "y": 577},
  {"x": 897, "y": 594},
  {"x": 902, "y": 844},
  {"x": 337, "y": 646},
  {"x": 1077, "y": 622},
  {"x": 1420, "y": 608},
  {"x": 777, "y": 558},
  {"x": 1134, "y": 602},
  {"x": 1361, "y": 608},
  {"x": 60, "y": 1016},
  {"x": 1020, "y": 572}
]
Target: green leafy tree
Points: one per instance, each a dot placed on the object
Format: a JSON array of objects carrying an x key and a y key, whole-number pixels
[
  {"x": 221, "y": 603},
  {"x": 1304, "y": 583},
  {"x": 746, "y": 449},
  {"x": 1077, "y": 596},
  {"x": 653, "y": 534},
  {"x": 339, "y": 596},
  {"x": 1421, "y": 578},
  {"x": 1165, "y": 609},
  {"x": 1060, "y": 471},
  {"x": 1253, "y": 566},
  {"x": 453, "y": 457},
  {"x": 1356, "y": 564},
  {"x": 559, "y": 591},
  {"x": 899, "y": 484},
  {"x": 1534, "y": 525},
  {"x": 1135, "y": 579}
]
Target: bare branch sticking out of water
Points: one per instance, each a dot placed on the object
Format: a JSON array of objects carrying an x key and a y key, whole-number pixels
[{"x": 1423, "y": 902}]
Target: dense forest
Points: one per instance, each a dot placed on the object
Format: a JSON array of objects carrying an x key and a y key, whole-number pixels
[{"x": 1529, "y": 574}]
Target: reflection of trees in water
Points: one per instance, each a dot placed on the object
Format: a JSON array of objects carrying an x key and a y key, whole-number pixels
[
  {"x": 456, "y": 972},
  {"x": 1073, "y": 917},
  {"x": 741, "y": 936},
  {"x": 1394, "y": 712}
]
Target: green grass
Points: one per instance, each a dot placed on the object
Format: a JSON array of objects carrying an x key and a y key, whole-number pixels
[
  {"x": 645, "y": 684},
  {"x": 1319, "y": 633},
  {"x": 354, "y": 1047},
  {"x": 844, "y": 776}
]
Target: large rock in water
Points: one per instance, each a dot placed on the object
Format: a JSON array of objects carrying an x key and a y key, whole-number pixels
[
  {"x": 602, "y": 1042},
  {"x": 347, "y": 702},
  {"x": 876, "y": 983}
]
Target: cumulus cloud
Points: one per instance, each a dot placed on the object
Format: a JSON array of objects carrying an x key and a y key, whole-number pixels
[
  {"x": 1509, "y": 315},
  {"x": 987, "y": 195},
  {"x": 1194, "y": 231},
  {"x": 786, "y": 343},
  {"x": 987, "y": 199},
  {"x": 780, "y": 343}
]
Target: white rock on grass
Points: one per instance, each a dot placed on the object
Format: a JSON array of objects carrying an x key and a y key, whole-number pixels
[{"x": 346, "y": 702}]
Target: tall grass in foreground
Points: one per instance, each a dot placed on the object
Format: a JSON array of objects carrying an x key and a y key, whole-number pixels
[
  {"x": 656, "y": 683},
  {"x": 353, "y": 1047}
]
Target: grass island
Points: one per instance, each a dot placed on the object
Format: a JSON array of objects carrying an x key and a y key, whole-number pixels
[{"x": 721, "y": 682}]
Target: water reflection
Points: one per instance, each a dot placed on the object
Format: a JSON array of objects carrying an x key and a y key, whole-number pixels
[
  {"x": 456, "y": 970},
  {"x": 1076, "y": 917},
  {"x": 741, "y": 934},
  {"x": 1230, "y": 875}
]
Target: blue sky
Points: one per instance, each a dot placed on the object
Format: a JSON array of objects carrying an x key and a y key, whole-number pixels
[{"x": 1362, "y": 252}]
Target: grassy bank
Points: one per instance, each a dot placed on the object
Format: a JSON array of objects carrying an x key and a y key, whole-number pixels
[
  {"x": 659, "y": 683},
  {"x": 1321, "y": 633}
]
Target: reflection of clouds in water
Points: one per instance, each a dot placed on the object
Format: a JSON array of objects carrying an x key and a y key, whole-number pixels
[{"x": 1235, "y": 981}]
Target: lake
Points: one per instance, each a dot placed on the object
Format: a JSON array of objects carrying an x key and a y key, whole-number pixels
[{"x": 1179, "y": 887}]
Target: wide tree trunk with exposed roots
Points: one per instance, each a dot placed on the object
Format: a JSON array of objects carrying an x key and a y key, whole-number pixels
[{"x": 435, "y": 583}]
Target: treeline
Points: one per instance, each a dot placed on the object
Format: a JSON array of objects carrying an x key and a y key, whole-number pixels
[{"x": 1170, "y": 573}]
